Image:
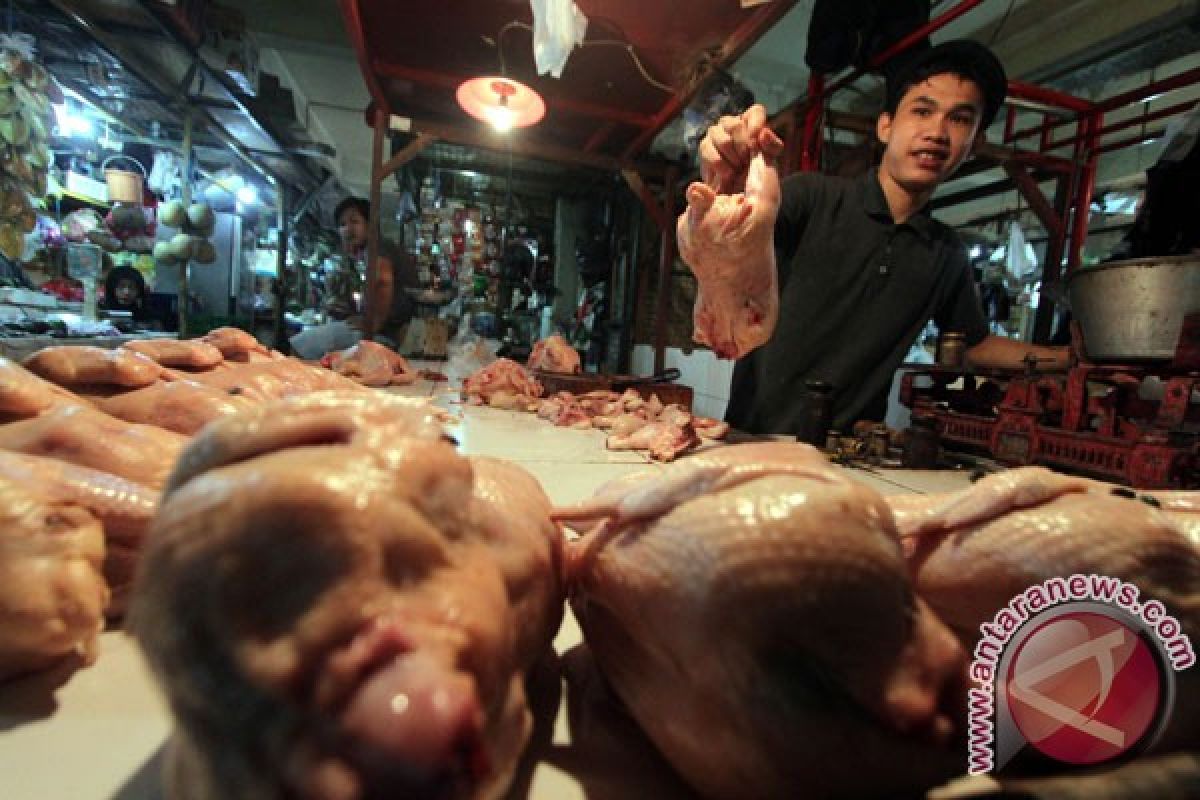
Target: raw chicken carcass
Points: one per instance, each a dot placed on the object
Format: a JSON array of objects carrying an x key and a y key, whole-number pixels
[
  {"x": 183, "y": 406},
  {"x": 268, "y": 380},
  {"x": 728, "y": 241},
  {"x": 973, "y": 551},
  {"x": 84, "y": 436},
  {"x": 23, "y": 394},
  {"x": 339, "y": 605},
  {"x": 237, "y": 345},
  {"x": 663, "y": 440},
  {"x": 74, "y": 365},
  {"x": 710, "y": 428},
  {"x": 504, "y": 380},
  {"x": 123, "y": 508},
  {"x": 371, "y": 364},
  {"x": 318, "y": 418},
  {"x": 751, "y": 607},
  {"x": 553, "y": 354},
  {"x": 52, "y": 593},
  {"x": 186, "y": 354}
]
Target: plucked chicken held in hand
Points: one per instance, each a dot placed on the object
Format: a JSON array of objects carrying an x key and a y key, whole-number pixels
[{"x": 726, "y": 236}]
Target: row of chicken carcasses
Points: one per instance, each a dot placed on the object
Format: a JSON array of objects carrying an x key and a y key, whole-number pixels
[
  {"x": 99, "y": 430},
  {"x": 339, "y": 604}
]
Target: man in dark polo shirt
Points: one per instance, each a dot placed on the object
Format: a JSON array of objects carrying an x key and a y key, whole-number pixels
[{"x": 862, "y": 266}]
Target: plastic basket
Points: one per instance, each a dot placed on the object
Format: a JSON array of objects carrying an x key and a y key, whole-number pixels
[{"x": 124, "y": 186}]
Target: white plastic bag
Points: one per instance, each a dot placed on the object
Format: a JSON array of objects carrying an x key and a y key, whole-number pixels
[
  {"x": 312, "y": 343},
  {"x": 468, "y": 353},
  {"x": 558, "y": 26}
]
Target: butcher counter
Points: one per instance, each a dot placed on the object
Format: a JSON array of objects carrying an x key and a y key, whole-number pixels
[{"x": 98, "y": 733}]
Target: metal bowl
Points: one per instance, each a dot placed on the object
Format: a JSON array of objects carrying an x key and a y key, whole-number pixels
[{"x": 1134, "y": 310}]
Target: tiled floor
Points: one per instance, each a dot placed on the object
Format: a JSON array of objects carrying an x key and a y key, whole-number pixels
[{"x": 106, "y": 722}]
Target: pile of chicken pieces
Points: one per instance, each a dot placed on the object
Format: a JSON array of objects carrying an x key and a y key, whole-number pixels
[
  {"x": 88, "y": 438},
  {"x": 633, "y": 422}
]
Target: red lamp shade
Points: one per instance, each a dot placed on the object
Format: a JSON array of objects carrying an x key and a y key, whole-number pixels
[{"x": 503, "y": 102}]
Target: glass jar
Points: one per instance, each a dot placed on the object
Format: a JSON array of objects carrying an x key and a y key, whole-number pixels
[
  {"x": 923, "y": 445},
  {"x": 951, "y": 350},
  {"x": 816, "y": 414}
]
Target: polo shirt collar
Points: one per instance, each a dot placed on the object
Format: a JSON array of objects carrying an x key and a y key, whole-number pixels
[{"x": 875, "y": 204}]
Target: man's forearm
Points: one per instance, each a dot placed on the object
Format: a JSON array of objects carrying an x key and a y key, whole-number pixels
[
  {"x": 998, "y": 352},
  {"x": 380, "y": 308}
]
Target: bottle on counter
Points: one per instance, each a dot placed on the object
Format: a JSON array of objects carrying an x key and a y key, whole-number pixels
[
  {"x": 817, "y": 413},
  {"x": 951, "y": 350},
  {"x": 923, "y": 444}
]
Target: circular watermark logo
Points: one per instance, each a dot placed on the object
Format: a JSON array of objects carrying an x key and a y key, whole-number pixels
[
  {"x": 1085, "y": 687},
  {"x": 1078, "y": 669}
]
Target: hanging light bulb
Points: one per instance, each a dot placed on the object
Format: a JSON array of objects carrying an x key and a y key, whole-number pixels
[
  {"x": 500, "y": 115},
  {"x": 502, "y": 102}
]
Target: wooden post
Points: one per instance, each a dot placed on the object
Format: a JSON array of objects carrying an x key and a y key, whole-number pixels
[
  {"x": 666, "y": 262},
  {"x": 1052, "y": 271},
  {"x": 377, "y": 176},
  {"x": 188, "y": 168},
  {"x": 282, "y": 290}
]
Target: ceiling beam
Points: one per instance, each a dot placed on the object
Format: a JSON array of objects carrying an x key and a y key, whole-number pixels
[{"x": 407, "y": 153}]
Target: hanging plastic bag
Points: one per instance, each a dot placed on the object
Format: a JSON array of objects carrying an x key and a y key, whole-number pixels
[
  {"x": 1021, "y": 260},
  {"x": 558, "y": 26}
]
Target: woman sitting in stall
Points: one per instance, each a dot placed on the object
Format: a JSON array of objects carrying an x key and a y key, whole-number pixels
[{"x": 125, "y": 290}]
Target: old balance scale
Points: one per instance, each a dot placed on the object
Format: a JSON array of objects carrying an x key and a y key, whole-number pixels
[{"x": 1127, "y": 411}]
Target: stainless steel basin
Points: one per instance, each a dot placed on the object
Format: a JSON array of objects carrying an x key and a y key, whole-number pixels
[{"x": 1134, "y": 310}]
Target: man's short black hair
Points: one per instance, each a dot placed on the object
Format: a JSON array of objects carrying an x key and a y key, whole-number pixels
[
  {"x": 358, "y": 203},
  {"x": 962, "y": 57}
]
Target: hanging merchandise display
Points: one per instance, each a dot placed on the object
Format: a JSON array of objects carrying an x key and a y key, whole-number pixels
[
  {"x": 26, "y": 94},
  {"x": 196, "y": 224}
]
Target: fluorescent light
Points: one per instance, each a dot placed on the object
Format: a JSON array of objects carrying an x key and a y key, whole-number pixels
[{"x": 70, "y": 123}]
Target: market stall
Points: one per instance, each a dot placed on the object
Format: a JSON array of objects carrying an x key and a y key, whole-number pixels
[{"x": 463, "y": 558}]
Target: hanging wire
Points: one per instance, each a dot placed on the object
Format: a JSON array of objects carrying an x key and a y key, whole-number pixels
[{"x": 498, "y": 42}]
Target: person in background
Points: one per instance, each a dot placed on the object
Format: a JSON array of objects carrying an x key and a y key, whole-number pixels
[
  {"x": 396, "y": 271},
  {"x": 862, "y": 265},
  {"x": 125, "y": 290}
]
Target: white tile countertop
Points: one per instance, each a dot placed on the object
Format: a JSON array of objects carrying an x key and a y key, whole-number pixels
[{"x": 98, "y": 732}]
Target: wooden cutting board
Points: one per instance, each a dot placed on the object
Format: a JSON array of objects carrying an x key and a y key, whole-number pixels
[
  {"x": 583, "y": 383},
  {"x": 580, "y": 383}
]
